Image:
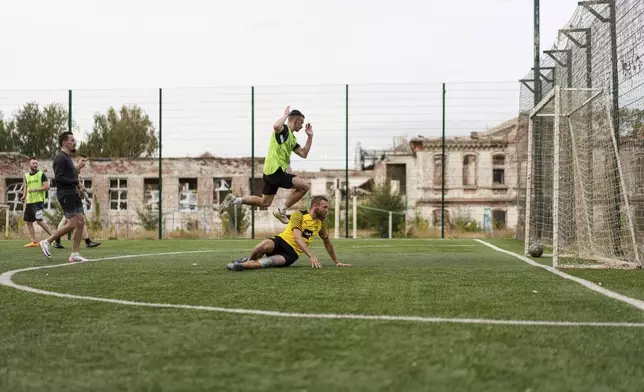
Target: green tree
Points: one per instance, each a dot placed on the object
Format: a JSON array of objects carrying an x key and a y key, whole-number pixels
[
  {"x": 128, "y": 133},
  {"x": 631, "y": 122},
  {"x": 34, "y": 130},
  {"x": 8, "y": 137},
  {"x": 376, "y": 215}
]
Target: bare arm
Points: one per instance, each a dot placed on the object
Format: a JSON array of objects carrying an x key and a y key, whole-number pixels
[
  {"x": 279, "y": 123},
  {"x": 329, "y": 248},
  {"x": 304, "y": 151},
  {"x": 315, "y": 263}
]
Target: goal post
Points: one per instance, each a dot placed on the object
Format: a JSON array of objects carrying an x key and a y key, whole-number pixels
[{"x": 577, "y": 201}]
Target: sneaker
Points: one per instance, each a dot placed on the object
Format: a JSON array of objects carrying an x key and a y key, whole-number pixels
[
  {"x": 234, "y": 267},
  {"x": 44, "y": 246},
  {"x": 280, "y": 216},
  {"x": 32, "y": 244},
  {"x": 226, "y": 203},
  {"x": 58, "y": 245},
  {"x": 92, "y": 244},
  {"x": 76, "y": 258}
]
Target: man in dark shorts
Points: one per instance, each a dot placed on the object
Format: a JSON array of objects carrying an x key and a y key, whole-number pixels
[
  {"x": 68, "y": 191},
  {"x": 34, "y": 185},
  {"x": 282, "y": 143},
  {"x": 81, "y": 162},
  {"x": 285, "y": 248}
]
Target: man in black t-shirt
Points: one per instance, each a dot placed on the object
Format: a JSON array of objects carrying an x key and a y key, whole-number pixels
[
  {"x": 68, "y": 191},
  {"x": 81, "y": 162}
]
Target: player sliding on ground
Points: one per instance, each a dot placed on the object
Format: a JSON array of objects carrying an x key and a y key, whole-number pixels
[
  {"x": 282, "y": 143},
  {"x": 285, "y": 248}
]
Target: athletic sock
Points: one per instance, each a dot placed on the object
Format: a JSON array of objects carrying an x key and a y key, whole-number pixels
[{"x": 88, "y": 241}]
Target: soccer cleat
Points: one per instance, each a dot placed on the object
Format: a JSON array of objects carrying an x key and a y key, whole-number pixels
[
  {"x": 226, "y": 203},
  {"x": 280, "y": 216},
  {"x": 44, "y": 246},
  {"x": 242, "y": 260},
  {"x": 58, "y": 245},
  {"x": 32, "y": 244},
  {"x": 76, "y": 258},
  {"x": 234, "y": 267},
  {"x": 92, "y": 244}
]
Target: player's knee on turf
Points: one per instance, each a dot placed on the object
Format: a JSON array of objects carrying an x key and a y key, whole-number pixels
[{"x": 272, "y": 261}]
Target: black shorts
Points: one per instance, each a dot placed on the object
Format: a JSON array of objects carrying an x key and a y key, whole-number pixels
[
  {"x": 282, "y": 248},
  {"x": 279, "y": 179},
  {"x": 34, "y": 212},
  {"x": 72, "y": 205}
]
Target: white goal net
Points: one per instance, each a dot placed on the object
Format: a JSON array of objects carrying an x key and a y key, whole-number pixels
[{"x": 577, "y": 203}]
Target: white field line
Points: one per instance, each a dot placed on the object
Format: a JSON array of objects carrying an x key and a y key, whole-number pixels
[
  {"x": 416, "y": 246},
  {"x": 6, "y": 280},
  {"x": 639, "y": 304}
]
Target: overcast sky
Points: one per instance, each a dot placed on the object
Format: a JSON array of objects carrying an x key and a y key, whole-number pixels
[{"x": 394, "y": 55}]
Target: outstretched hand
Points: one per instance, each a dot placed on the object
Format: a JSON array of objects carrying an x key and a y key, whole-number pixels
[
  {"x": 287, "y": 110},
  {"x": 309, "y": 129},
  {"x": 315, "y": 263}
]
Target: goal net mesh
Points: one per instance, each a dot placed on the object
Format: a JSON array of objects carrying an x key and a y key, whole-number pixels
[{"x": 579, "y": 207}]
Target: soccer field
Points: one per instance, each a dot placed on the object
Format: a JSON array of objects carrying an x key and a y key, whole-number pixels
[{"x": 411, "y": 315}]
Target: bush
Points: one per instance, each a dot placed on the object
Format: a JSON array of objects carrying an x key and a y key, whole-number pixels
[
  {"x": 95, "y": 223},
  {"x": 228, "y": 223},
  {"x": 418, "y": 224},
  {"x": 464, "y": 221},
  {"x": 148, "y": 218}
]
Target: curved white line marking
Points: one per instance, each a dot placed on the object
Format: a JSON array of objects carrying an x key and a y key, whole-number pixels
[{"x": 5, "y": 280}]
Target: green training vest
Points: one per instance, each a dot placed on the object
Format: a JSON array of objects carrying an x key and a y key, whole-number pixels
[
  {"x": 34, "y": 182},
  {"x": 279, "y": 152}
]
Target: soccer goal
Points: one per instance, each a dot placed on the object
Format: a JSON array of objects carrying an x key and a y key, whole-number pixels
[{"x": 577, "y": 202}]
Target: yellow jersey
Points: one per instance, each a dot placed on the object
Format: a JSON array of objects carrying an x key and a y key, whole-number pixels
[{"x": 309, "y": 226}]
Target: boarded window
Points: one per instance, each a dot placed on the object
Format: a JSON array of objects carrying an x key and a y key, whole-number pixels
[{"x": 470, "y": 170}]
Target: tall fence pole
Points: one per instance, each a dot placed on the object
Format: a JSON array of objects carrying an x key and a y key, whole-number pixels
[
  {"x": 252, "y": 159},
  {"x": 346, "y": 162},
  {"x": 536, "y": 48},
  {"x": 69, "y": 110},
  {"x": 160, "y": 163},
  {"x": 443, "y": 171}
]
